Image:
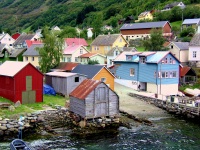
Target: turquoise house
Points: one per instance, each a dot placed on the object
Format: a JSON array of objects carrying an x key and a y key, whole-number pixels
[{"x": 156, "y": 72}]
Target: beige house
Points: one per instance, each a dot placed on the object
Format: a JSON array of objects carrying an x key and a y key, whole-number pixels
[
  {"x": 180, "y": 50},
  {"x": 85, "y": 58},
  {"x": 32, "y": 55},
  {"x": 103, "y": 43}
]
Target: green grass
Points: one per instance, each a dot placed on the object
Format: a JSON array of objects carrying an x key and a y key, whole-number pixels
[
  {"x": 140, "y": 49},
  {"x": 176, "y": 24},
  {"x": 48, "y": 100}
]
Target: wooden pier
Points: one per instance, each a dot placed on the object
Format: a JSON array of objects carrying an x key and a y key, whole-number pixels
[{"x": 182, "y": 106}]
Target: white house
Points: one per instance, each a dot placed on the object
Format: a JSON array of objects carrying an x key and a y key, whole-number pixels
[
  {"x": 89, "y": 33},
  {"x": 5, "y": 38},
  {"x": 194, "y": 50}
]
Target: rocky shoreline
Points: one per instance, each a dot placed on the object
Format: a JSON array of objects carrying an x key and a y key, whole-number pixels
[{"x": 44, "y": 122}]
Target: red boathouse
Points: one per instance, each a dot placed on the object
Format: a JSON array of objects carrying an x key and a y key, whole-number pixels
[{"x": 21, "y": 81}]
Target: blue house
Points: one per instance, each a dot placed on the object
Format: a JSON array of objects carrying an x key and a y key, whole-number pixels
[{"x": 156, "y": 72}]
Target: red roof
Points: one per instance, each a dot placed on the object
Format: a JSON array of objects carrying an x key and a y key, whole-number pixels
[
  {"x": 15, "y": 36},
  {"x": 85, "y": 88},
  {"x": 76, "y": 41},
  {"x": 29, "y": 43},
  {"x": 88, "y": 55},
  {"x": 67, "y": 66},
  {"x": 184, "y": 70}
]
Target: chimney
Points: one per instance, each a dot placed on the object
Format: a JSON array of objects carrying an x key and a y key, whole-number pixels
[{"x": 73, "y": 44}]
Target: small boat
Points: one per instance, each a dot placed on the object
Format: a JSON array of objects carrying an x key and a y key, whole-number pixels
[{"x": 18, "y": 144}]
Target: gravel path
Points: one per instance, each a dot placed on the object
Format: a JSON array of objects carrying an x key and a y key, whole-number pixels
[{"x": 136, "y": 106}]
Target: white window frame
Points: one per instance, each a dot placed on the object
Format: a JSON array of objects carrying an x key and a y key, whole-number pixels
[
  {"x": 103, "y": 79},
  {"x": 143, "y": 60},
  {"x": 194, "y": 54}
]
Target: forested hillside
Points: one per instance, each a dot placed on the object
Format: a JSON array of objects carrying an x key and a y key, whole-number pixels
[{"x": 16, "y": 15}]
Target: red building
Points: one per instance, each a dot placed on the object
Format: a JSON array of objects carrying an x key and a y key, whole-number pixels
[
  {"x": 21, "y": 81},
  {"x": 142, "y": 30}
]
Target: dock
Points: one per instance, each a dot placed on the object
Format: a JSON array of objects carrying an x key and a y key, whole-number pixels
[{"x": 180, "y": 105}]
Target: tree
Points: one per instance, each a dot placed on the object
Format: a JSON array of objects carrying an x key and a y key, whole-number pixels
[
  {"x": 68, "y": 32},
  {"x": 97, "y": 24},
  {"x": 51, "y": 52},
  {"x": 189, "y": 32},
  {"x": 155, "y": 42}
]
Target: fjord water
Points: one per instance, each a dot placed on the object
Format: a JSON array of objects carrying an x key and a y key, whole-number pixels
[{"x": 166, "y": 134}]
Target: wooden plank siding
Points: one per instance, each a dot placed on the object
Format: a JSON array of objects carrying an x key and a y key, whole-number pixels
[{"x": 100, "y": 102}]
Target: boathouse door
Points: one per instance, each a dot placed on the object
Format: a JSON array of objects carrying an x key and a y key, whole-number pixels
[{"x": 100, "y": 109}]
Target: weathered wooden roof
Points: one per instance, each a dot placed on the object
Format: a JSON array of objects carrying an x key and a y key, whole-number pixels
[
  {"x": 105, "y": 40},
  {"x": 22, "y": 38},
  {"x": 67, "y": 66},
  {"x": 195, "y": 41},
  {"x": 185, "y": 70},
  {"x": 85, "y": 88},
  {"x": 182, "y": 45}
]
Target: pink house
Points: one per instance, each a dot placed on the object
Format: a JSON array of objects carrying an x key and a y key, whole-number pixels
[{"x": 72, "y": 52}]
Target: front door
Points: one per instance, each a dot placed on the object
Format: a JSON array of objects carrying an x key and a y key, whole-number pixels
[{"x": 100, "y": 104}]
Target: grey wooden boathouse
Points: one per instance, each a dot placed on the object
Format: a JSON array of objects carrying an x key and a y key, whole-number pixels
[
  {"x": 64, "y": 82},
  {"x": 94, "y": 99}
]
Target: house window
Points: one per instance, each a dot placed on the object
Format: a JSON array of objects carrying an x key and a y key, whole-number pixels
[
  {"x": 63, "y": 59},
  {"x": 142, "y": 60},
  {"x": 103, "y": 79},
  {"x": 120, "y": 39},
  {"x": 76, "y": 79},
  {"x": 174, "y": 74},
  {"x": 166, "y": 60},
  {"x": 163, "y": 74},
  {"x": 76, "y": 59},
  {"x": 132, "y": 71},
  {"x": 26, "y": 58},
  {"x": 111, "y": 61},
  {"x": 32, "y": 58},
  {"x": 96, "y": 48},
  {"x": 128, "y": 57},
  {"x": 166, "y": 75},
  {"x": 158, "y": 74},
  {"x": 81, "y": 60},
  {"x": 68, "y": 59},
  {"x": 116, "y": 53},
  {"x": 172, "y": 46},
  {"x": 194, "y": 54},
  {"x": 81, "y": 51},
  {"x": 170, "y": 60}
]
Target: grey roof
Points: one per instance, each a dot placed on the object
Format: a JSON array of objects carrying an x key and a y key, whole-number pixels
[
  {"x": 171, "y": 5},
  {"x": 21, "y": 39},
  {"x": 195, "y": 41},
  {"x": 182, "y": 45},
  {"x": 191, "y": 21},
  {"x": 121, "y": 49},
  {"x": 17, "y": 52},
  {"x": 32, "y": 51},
  {"x": 89, "y": 70},
  {"x": 144, "y": 25},
  {"x": 102, "y": 40}
]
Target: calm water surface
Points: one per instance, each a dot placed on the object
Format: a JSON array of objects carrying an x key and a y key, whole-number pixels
[{"x": 166, "y": 134}]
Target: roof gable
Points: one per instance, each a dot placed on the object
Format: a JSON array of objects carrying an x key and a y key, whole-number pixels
[{"x": 73, "y": 48}]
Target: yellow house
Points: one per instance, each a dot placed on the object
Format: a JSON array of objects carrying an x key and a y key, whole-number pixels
[
  {"x": 103, "y": 43},
  {"x": 147, "y": 15},
  {"x": 84, "y": 59},
  {"x": 96, "y": 72},
  {"x": 32, "y": 55}
]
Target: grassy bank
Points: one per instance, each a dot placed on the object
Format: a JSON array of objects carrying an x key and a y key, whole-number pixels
[{"x": 48, "y": 101}]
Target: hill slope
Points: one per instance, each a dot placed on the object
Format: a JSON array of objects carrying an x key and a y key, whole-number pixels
[{"x": 20, "y": 14}]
